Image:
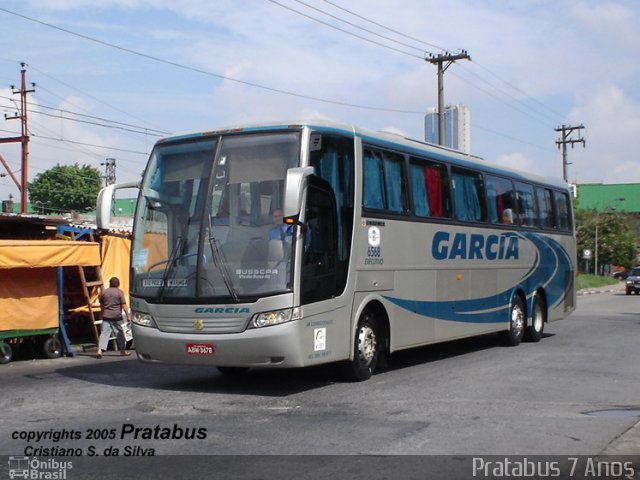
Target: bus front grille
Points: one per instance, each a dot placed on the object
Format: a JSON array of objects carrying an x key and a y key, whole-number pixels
[{"x": 202, "y": 325}]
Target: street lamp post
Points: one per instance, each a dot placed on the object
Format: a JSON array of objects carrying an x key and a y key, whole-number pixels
[{"x": 595, "y": 268}]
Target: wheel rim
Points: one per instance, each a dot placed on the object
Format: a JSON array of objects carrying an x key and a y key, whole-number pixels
[
  {"x": 517, "y": 320},
  {"x": 366, "y": 345}
]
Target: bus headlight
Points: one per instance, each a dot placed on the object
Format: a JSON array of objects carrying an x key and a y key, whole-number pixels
[
  {"x": 275, "y": 317},
  {"x": 143, "y": 319}
]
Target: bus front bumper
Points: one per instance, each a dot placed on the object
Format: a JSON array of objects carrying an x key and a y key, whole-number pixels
[{"x": 273, "y": 346}]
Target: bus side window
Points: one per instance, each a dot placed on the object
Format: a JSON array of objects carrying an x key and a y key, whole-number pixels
[
  {"x": 394, "y": 183},
  {"x": 546, "y": 215},
  {"x": 373, "y": 195},
  {"x": 563, "y": 211},
  {"x": 468, "y": 192},
  {"x": 500, "y": 198},
  {"x": 428, "y": 185},
  {"x": 384, "y": 182},
  {"x": 526, "y": 204}
]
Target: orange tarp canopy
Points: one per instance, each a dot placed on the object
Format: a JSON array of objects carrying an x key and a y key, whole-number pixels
[
  {"x": 28, "y": 279},
  {"x": 28, "y": 299},
  {"x": 47, "y": 253}
]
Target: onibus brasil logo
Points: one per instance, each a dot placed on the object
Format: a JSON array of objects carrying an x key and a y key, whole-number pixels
[{"x": 32, "y": 468}]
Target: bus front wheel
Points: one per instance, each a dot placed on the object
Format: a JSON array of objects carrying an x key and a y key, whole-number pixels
[
  {"x": 517, "y": 322},
  {"x": 367, "y": 344}
]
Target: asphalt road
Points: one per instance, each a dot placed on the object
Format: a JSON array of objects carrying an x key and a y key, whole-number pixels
[{"x": 577, "y": 392}]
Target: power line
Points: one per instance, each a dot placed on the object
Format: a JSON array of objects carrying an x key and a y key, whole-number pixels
[
  {"x": 37, "y": 136},
  {"x": 256, "y": 85},
  {"x": 487, "y": 70},
  {"x": 446, "y": 52},
  {"x": 343, "y": 30},
  {"x": 116, "y": 124},
  {"x": 501, "y": 99},
  {"x": 98, "y": 100},
  {"x": 512, "y": 138},
  {"x": 116, "y": 149},
  {"x": 388, "y": 28},
  {"x": 87, "y": 122},
  {"x": 42, "y": 169},
  {"x": 519, "y": 90},
  {"x": 413, "y": 47},
  {"x": 475, "y": 62},
  {"x": 247, "y": 83},
  {"x": 205, "y": 72}
]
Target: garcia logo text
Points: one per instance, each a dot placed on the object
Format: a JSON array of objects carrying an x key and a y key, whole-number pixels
[{"x": 475, "y": 246}]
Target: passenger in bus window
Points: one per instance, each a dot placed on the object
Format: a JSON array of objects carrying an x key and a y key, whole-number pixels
[{"x": 507, "y": 216}]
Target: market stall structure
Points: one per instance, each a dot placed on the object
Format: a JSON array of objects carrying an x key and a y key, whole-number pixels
[
  {"x": 51, "y": 275},
  {"x": 31, "y": 290}
]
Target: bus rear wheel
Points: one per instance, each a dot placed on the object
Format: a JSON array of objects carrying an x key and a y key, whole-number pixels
[
  {"x": 517, "y": 322},
  {"x": 367, "y": 344},
  {"x": 533, "y": 333}
]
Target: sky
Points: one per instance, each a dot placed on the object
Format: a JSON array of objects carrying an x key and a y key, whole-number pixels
[{"x": 112, "y": 76}]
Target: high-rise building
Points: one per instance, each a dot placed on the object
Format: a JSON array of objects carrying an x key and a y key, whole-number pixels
[{"x": 457, "y": 133}]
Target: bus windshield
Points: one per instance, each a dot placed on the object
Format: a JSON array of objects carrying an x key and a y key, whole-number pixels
[{"x": 209, "y": 219}]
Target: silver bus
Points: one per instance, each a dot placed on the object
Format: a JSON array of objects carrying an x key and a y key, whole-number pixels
[{"x": 295, "y": 245}]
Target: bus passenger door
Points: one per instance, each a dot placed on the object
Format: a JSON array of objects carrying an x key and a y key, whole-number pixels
[
  {"x": 320, "y": 244},
  {"x": 326, "y": 310}
]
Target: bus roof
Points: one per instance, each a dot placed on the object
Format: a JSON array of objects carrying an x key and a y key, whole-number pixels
[{"x": 383, "y": 139}]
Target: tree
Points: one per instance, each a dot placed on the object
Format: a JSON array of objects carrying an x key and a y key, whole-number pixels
[
  {"x": 66, "y": 187},
  {"x": 616, "y": 239}
]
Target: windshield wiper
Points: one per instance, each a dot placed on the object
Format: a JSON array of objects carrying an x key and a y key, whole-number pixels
[
  {"x": 172, "y": 261},
  {"x": 220, "y": 261}
]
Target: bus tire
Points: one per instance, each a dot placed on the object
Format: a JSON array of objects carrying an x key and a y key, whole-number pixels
[
  {"x": 517, "y": 322},
  {"x": 366, "y": 351},
  {"x": 534, "y": 332},
  {"x": 233, "y": 371},
  {"x": 6, "y": 353},
  {"x": 51, "y": 347}
]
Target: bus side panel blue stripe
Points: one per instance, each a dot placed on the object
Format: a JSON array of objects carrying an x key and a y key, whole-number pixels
[{"x": 550, "y": 270}]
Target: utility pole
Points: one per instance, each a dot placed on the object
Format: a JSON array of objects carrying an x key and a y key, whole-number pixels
[
  {"x": 564, "y": 140},
  {"x": 23, "y": 138},
  {"x": 110, "y": 171},
  {"x": 440, "y": 60}
]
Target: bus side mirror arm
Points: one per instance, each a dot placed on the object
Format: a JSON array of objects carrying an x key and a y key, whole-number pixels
[{"x": 294, "y": 188}]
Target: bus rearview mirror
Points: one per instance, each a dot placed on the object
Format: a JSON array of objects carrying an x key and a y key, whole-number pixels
[{"x": 294, "y": 189}]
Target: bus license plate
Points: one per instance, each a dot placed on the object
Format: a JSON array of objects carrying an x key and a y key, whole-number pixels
[{"x": 199, "y": 349}]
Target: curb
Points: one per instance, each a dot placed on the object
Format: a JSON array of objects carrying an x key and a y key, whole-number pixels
[
  {"x": 607, "y": 289},
  {"x": 626, "y": 444}
]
